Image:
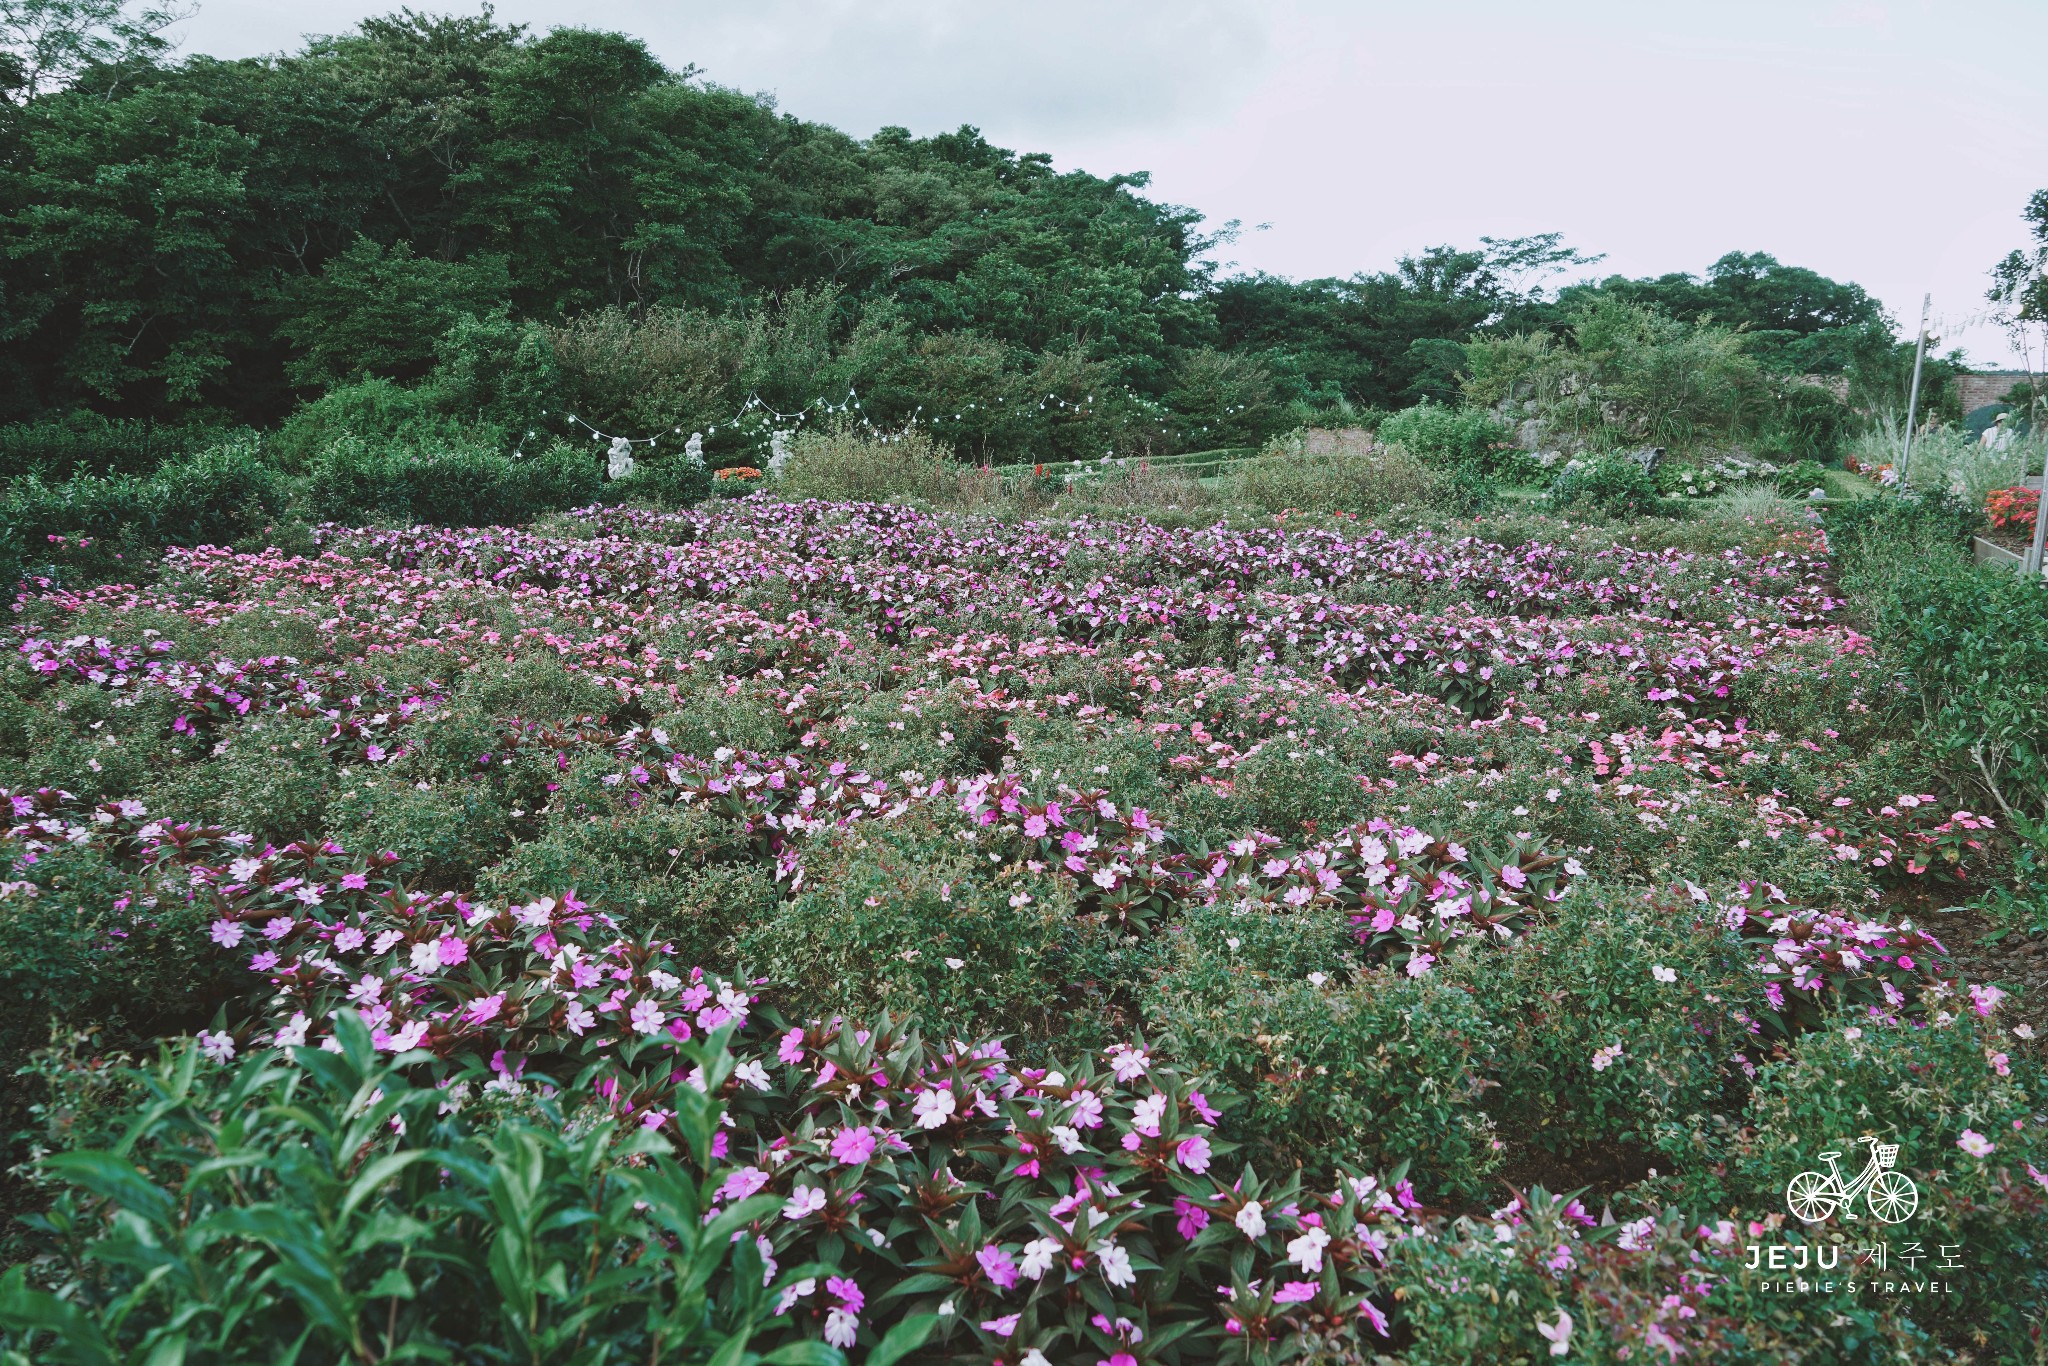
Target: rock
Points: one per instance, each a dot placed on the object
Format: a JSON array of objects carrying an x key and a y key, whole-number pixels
[
  {"x": 1648, "y": 458},
  {"x": 1529, "y": 434}
]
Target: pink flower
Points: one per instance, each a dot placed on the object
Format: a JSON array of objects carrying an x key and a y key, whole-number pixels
[
  {"x": 1193, "y": 1153},
  {"x": 1296, "y": 1292},
  {"x": 484, "y": 1008},
  {"x": 998, "y": 1266},
  {"x": 742, "y": 1183},
  {"x": 1420, "y": 964},
  {"x": 1373, "y": 1316},
  {"x": 1975, "y": 1144},
  {"x": 853, "y": 1146},
  {"x": 1209, "y": 1113},
  {"x": 1189, "y": 1218},
  {"x": 1003, "y": 1326},
  {"x": 228, "y": 933},
  {"x": 847, "y": 1291},
  {"x": 646, "y": 1017}
]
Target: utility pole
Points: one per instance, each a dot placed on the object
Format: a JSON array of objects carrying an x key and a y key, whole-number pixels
[{"x": 1913, "y": 397}]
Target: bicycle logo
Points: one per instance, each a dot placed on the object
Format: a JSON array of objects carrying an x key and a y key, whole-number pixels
[{"x": 1890, "y": 1195}]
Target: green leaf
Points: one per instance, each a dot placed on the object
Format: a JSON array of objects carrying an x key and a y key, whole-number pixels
[{"x": 905, "y": 1338}]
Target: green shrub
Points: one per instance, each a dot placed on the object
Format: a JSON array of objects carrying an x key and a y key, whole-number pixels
[
  {"x": 1467, "y": 442},
  {"x": 354, "y": 480},
  {"x": 1925, "y": 1087},
  {"x": 1373, "y": 1062},
  {"x": 1971, "y": 640},
  {"x": 855, "y": 465},
  {"x": 101, "y": 525},
  {"x": 84, "y": 442},
  {"x": 1797, "y": 481},
  {"x": 1286, "y": 477},
  {"x": 1611, "y": 485},
  {"x": 322, "y": 1209}
]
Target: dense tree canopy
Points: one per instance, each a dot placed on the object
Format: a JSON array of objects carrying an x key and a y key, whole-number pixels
[{"x": 230, "y": 239}]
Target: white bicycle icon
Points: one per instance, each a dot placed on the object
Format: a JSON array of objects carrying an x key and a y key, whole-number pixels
[{"x": 1891, "y": 1196}]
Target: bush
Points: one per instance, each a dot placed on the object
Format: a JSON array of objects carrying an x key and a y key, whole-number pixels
[
  {"x": 84, "y": 442},
  {"x": 112, "y": 524},
  {"x": 1797, "y": 481},
  {"x": 1287, "y": 477},
  {"x": 1611, "y": 485},
  {"x": 855, "y": 465},
  {"x": 1971, "y": 640},
  {"x": 329, "y": 1204},
  {"x": 1466, "y": 442},
  {"x": 354, "y": 480}
]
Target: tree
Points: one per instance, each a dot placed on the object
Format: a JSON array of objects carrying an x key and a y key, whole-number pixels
[
  {"x": 45, "y": 44},
  {"x": 2020, "y": 289}
]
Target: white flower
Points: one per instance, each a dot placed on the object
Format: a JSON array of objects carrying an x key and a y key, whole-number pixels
[
  {"x": 1116, "y": 1265},
  {"x": 663, "y": 981},
  {"x": 1147, "y": 1113},
  {"x": 753, "y": 1074},
  {"x": 426, "y": 956},
  {"x": 1251, "y": 1219},
  {"x": 579, "y": 1018},
  {"x": 409, "y": 1037},
  {"x": 1068, "y": 1137},
  {"x": 293, "y": 1035},
  {"x": 1037, "y": 1259},
  {"x": 646, "y": 1017},
  {"x": 217, "y": 1047},
  {"x": 840, "y": 1328},
  {"x": 802, "y": 1201},
  {"x": 933, "y": 1108},
  {"x": 1307, "y": 1250},
  {"x": 1033, "y": 1357},
  {"x": 1662, "y": 973},
  {"x": 1603, "y": 1058},
  {"x": 1559, "y": 1333}
]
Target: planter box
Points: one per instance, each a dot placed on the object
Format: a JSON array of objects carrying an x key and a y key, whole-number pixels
[{"x": 1988, "y": 552}]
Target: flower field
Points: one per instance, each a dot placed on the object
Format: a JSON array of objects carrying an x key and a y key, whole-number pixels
[{"x": 801, "y": 928}]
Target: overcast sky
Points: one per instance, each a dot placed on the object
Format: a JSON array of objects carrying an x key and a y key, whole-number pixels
[{"x": 1890, "y": 142}]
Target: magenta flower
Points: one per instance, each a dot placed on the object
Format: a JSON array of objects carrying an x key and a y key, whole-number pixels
[{"x": 853, "y": 1146}]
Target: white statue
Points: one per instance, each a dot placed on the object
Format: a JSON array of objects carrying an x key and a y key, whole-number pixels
[
  {"x": 693, "y": 450},
  {"x": 778, "y": 452},
  {"x": 619, "y": 464}
]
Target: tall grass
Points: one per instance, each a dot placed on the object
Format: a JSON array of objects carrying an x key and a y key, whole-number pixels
[{"x": 1949, "y": 459}]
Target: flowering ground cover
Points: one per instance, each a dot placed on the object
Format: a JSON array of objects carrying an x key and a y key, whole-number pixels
[{"x": 1101, "y": 941}]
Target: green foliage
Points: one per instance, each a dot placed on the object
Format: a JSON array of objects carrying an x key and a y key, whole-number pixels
[
  {"x": 323, "y": 1205},
  {"x": 846, "y": 463},
  {"x": 1463, "y": 443},
  {"x": 1971, "y": 640},
  {"x": 83, "y": 442},
  {"x": 1351, "y": 478},
  {"x": 1367, "y": 1062},
  {"x": 379, "y": 312},
  {"x": 1610, "y": 485},
  {"x": 354, "y": 480},
  {"x": 114, "y": 523}
]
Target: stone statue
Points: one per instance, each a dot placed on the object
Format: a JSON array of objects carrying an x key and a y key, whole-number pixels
[
  {"x": 619, "y": 463},
  {"x": 778, "y": 452},
  {"x": 693, "y": 450}
]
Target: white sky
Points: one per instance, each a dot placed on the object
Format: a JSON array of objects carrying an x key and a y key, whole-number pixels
[{"x": 1889, "y": 142}]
